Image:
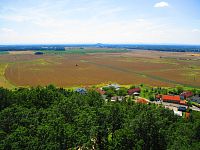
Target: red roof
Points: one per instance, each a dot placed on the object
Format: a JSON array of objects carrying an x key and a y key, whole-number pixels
[
  {"x": 100, "y": 91},
  {"x": 171, "y": 98},
  {"x": 159, "y": 96},
  {"x": 187, "y": 94},
  {"x": 142, "y": 101},
  {"x": 183, "y": 103},
  {"x": 131, "y": 91}
]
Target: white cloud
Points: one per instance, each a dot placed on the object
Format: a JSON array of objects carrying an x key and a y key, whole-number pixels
[
  {"x": 196, "y": 30},
  {"x": 161, "y": 5},
  {"x": 7, "y": 34},
  {"x": 140, "y": 20},
  {"x": 7, "y": 30}
]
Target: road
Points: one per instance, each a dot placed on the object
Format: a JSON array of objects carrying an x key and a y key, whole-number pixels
[{"x": 171, "y": 105}]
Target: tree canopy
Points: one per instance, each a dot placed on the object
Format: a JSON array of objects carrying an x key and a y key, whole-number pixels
[{"x": 55, "y": 118}]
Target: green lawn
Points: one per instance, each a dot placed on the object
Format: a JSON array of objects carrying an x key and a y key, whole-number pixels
[{"x": 3, "y": 52}]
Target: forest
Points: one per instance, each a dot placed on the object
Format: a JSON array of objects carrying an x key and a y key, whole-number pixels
[{"x": 55, "y": 118}]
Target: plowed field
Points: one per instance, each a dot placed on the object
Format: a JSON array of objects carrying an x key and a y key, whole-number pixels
[{"x": 148, "y": 67}]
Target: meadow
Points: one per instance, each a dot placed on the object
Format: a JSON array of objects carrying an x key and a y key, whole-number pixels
[{"x": 85, "y": 68}]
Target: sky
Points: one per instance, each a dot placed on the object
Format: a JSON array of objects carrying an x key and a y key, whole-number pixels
[{"x": 100, "y": 21}]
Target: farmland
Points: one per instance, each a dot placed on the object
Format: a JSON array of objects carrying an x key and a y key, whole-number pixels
[{"x": 67, "y": 69}]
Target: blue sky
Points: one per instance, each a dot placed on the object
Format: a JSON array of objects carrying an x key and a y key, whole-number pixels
[{"x": 99, "y": 21}]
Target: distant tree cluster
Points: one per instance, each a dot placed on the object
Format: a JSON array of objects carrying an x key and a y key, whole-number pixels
[{"x": 54, "y": 118}]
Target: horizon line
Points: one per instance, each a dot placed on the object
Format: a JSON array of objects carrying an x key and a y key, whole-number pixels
[{"x": 13, "y": 44}]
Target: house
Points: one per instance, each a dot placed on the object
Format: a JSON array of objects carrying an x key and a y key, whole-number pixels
[
  {"x": 134, "y": 90},
  {"x": 186, "y": 94},
  {"x": 171, "y": 98},
  {"x": 158, "y": 97},
  {"x": 142, "y": 101},
  {"x": 100, "y": 91},
  {"x": 117, "y": 98},
  {"x": 116, "y": 86},
  {"x": 81, "y": 90}
]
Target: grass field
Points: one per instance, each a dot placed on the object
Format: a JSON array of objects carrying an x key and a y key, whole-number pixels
[
  {"x": 3, "y": 52},
  {"x": 3, "y": 82},
  {"x": 83, "y": 69}
]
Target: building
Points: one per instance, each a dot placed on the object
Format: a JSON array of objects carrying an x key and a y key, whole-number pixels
[
  {"x": 81, "y": 90},
  {"x": 183, "y": 102},
  {"x": 117, "y": 98},
  {"x": 116, "y": 86},
  {"x": 171, "y": 98},
  {"x": 158, "y": 97},
  {"x": 178, "y": 113},
  {"x": 136, "y": 94},
  {"x": 134, "y": 90},
  {"x": 102, "y": 92},
  {"x": 186, "y": 94},
  {"x": 142, "y": 101}
]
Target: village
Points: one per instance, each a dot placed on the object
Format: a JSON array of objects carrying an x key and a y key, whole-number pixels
[{"x": 181, "y": 101}]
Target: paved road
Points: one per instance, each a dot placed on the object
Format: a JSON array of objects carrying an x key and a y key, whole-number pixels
[
  {"x": 171, "y": 105},
  {"x": 175, "y": 105},
  {"x": 195, "y": 108}
]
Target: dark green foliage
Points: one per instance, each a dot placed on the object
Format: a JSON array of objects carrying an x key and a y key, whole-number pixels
[
  {"x": 55, "y": 118},
  {"x": 5, "y": 99},
  {"x": 122, "y": 92}
]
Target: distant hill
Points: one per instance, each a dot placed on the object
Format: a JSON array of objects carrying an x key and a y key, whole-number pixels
[{"x": 171, "y": 48}]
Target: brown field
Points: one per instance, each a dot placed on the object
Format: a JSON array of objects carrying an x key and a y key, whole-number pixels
[{"x": 148, "y": 67}]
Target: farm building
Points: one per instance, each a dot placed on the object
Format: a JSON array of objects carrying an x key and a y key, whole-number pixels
[
  {"x": 81, "y": 90},
  {"x": 134, "y": 91},
  {"x": 173, "y": 99},
  {"x": 186, "y": 94}
]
